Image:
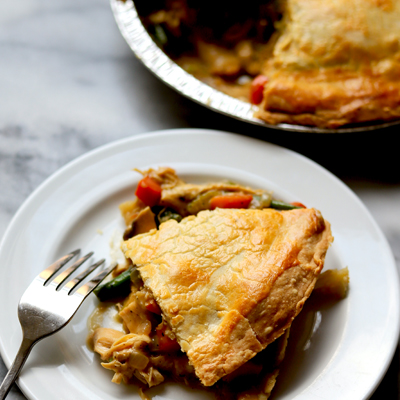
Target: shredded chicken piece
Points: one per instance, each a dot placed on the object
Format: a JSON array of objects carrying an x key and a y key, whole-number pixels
[
  {"x": 131, "y": 209},
  {"x": 127, "y": 358},
  {"x": 165, "y": 176},
  {"x": 103, "y": 339},
  {"x": 129, "y": 341},
  {"x": 151, "y": 376},
  {"x": 134, "y": 314},
  {"x": 143, "y": 222}
]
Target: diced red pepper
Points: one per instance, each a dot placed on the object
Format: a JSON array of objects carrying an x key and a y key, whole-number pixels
[
  {"x": 231, "y": 201},
  {"x": 148, "y": 191},
  {"x": 153, "y": 307},
  {"x": 257, "y": 89},
  {"x": 297, "y": 204},
  {"x": 165, "y": 343}
]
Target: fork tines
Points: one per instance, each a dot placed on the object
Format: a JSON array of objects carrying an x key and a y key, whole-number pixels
[{"x": 60, "y": 281}]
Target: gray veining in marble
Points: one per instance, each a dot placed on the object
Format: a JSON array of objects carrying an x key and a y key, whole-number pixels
[{"x": 70, "y": 83}]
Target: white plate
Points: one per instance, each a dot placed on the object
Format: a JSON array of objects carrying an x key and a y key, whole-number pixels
[{"x": 352, "y": 343}]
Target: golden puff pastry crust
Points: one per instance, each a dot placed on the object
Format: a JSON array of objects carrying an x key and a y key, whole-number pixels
[
  {"x": 335, "y": 62},
  {"x": 229, "y": 282}
]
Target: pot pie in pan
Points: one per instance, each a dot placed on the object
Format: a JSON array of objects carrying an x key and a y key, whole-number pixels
[
  {"x": 317, "y": 63},
  {"x": 213, "y": 278}
]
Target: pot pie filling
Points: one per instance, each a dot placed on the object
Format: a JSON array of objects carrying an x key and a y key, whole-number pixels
[
  {"x": 309, "y": 62},
  {"x": 213, "y": 277}
]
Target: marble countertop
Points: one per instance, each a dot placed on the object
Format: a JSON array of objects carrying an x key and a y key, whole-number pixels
[{"x": 69, "y": 83}]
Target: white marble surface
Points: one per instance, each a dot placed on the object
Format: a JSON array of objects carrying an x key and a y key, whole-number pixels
[{"x": 69, "y": 83}]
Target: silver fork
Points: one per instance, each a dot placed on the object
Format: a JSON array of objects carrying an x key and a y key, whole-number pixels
[{"x": 49, "y": 304}]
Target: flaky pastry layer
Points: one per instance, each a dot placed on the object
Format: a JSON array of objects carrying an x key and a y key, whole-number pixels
[
  {"x": 229, "y": 282},
  {"x": 335, "y": 62}
]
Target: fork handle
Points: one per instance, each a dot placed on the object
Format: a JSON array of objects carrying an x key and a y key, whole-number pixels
[{"x": 20, "y": 358}]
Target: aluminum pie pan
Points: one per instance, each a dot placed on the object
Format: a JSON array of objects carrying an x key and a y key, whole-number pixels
[{"x": 145, "y": 49}]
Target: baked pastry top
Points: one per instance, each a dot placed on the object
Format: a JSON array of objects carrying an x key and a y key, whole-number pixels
[
  {"x": 326, "y": 63},
  {"x": 335, "y": 62},
  {"x": 230, "y": 281}
]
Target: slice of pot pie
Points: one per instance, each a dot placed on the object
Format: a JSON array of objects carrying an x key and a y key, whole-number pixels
[{"x": 230, "y": 281}]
